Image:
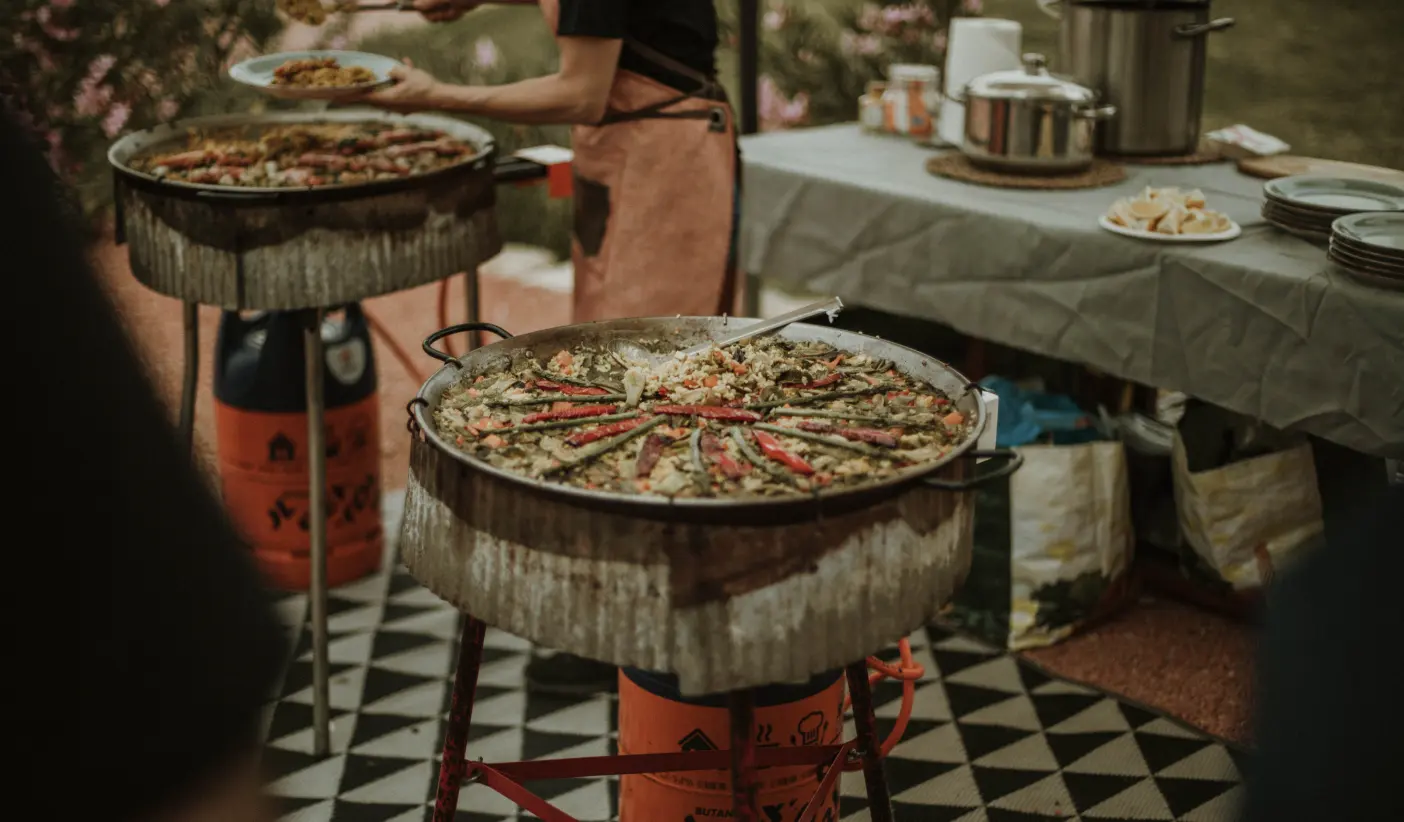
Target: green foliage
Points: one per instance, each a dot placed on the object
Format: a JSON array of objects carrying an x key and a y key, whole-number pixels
[{"x": 81, "y": 73}]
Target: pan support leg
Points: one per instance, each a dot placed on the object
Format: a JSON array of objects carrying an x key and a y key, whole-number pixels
[
  {"x": 315, "y": 364},
  {"x": 472, "y": 306},
  {"x": 745, "y": 806},
  {"x": 465, "y": 684},
  {"x": 191, "y": 375},
  {"x": 869, "y": 746}
]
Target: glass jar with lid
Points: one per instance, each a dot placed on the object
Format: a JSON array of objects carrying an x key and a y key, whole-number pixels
[
  {"x": 870, "y": 108},
  {"x": 912, "y": 100}
]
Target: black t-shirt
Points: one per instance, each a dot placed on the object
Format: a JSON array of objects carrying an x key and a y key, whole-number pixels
[
  {"x": 141, "y": 646},
  {"x": 685, "y": 30}
]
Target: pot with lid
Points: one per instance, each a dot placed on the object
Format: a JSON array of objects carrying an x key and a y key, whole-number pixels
[
  {"x": 1027, "y": 121},
  {"x": 1147, "y": 58}
]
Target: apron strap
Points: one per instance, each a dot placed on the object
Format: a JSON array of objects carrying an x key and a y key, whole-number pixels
[{"x": 709, "y": 89}]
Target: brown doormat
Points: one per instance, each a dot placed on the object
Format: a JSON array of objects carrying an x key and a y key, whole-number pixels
[{"x": 958, "y": 167}]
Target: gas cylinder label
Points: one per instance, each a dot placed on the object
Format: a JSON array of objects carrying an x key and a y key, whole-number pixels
[{"x": 347, "y": 361}]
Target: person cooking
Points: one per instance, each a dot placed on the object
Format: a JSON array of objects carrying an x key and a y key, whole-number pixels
[
  {"x": 654, "y": 140},
  {"x": 656, "y": 172}
]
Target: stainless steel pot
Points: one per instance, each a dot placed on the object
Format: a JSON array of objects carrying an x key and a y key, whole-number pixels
[
  {"x": 724, "y": 593},
  {"x": 1030, "y": 122},
  {"x": 1147, "y": 58}
]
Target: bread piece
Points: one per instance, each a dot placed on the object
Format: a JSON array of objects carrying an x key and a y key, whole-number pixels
[
  {"x": 1149, "y": 209},
  {"x": 1173, "y": 221},
  {"x": 1194, "y": 198},
  {"x": 1204, "y": 222}
]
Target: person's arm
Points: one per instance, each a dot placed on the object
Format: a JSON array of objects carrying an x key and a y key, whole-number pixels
[
  {"x": 589, "y": 34},
  {"x": 576, "y": 94}
]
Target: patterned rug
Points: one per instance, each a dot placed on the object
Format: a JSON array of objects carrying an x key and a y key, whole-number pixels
[{"x": 991, "y": 737}]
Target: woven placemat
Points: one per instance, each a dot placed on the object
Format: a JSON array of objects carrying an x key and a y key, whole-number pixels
[
  {"x": 958, "y": 167},
  {"x": 1203, "y": 157}
]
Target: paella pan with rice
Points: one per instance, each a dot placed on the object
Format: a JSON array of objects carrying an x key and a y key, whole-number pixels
[{"x": 766, "y": 418}]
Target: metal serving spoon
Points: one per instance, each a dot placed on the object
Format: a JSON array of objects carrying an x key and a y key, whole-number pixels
[{"x": 638, "y": 355}]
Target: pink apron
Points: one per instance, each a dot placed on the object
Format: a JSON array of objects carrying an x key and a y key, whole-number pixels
[{"x": 655, "y": 188}]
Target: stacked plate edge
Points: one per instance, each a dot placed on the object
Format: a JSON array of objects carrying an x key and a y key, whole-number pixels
[
  {"x": 1370, "y": 247},
  {"x": 1307, "y": 205}
]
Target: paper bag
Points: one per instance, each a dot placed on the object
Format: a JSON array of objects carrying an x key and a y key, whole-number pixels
[{"x": 1248, "y": 519}]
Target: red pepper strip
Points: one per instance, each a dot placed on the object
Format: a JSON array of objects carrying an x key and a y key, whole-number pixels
[
  {"x": 868, "y": 435},
  {"x": 570, "y": 413},
  {"x": 602, "y": 431},
  {"x": 650, "y": 453},
  {"x": 573, "y": 390},
  {"x": 819, "y": 383},
  {"x": 771, "y": 447},
  {"x": 730, "y": 468},
  {"x": 711, "y": 412}
]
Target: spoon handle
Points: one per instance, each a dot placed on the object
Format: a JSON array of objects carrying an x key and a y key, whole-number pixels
[{"x": 830, "y": 306}]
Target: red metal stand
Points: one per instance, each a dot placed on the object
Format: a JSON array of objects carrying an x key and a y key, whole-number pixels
[{"x": 743, "y": 758}]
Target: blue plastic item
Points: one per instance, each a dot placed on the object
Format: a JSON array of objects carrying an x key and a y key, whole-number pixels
[{"x": 1028, "y": 417}]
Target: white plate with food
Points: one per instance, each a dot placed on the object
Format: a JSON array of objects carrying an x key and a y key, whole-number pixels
[
  {"x": 1169, "y": 215},
  {"x": 315, "y": 75}
]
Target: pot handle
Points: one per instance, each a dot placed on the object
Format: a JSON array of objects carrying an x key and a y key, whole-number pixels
[
  {"x": 1095, "y": 112},
  {"x": 1052, "y": 8},
  {"x": 1201, "y": 29},
  {"x": 457, "y": 329},
  {"x": 1013, "y": 461}
]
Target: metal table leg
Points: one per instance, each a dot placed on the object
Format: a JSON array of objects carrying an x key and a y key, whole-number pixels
[
  {"x": 874, "y": 775},
  {"x": 465, "y": 684},
  {"x": 315, "y": 360},
  {"x": 471, "y": 306},
  {"x": 192, "y": 374},
  {"x": 745, "y": 807}
]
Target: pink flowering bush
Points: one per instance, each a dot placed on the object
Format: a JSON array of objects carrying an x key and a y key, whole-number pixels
[
  {"x": 815, "y": 66},
  {"x": 81, "y": 73}
]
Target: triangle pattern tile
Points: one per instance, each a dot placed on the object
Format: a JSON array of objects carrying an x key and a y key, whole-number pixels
[
  {"x": 1104, "y": 715},
  {"x": 1088, "y": 790},
  {"x": 1121, "y": 756},
  {"x": 1141, "y": 801},
  {"x": 1213, "y": 762},
  {"x": 1070, "y": 747},
  {"x": 1226, "y": 807},
  {"x": 1048, "y": 797},
  {"x": 997, "y": 783},
  {"x": 1185, "y": 795},
  {"x": 990, "y": 738},
  {"x": 981, "y": 740},
  {"x": 347, "y": 811},
  {"x": 1161, "y": 752},
  {"x": 1136, "y": 716},
  {"x": 956, "y": 787},
  {"x": 941, "y": 744},
  {"x": 1015, "y": 712},
  {"x": 1030, "y": 753},
  {"x": 1054, "y": 709},
  {"x": 1000, "y": 673}
]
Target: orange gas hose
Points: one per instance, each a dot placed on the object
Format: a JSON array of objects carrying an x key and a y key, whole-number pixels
[{"x": 908, "y": 671}]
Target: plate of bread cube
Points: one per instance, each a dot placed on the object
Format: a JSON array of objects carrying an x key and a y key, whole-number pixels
[{"x": 1170, "y": 215}]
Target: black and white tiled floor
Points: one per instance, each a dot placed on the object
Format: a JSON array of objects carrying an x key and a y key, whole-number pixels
[{"x": 990, "y": 738}]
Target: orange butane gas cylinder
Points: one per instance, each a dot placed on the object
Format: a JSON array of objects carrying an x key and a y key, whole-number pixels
[
  {"x": 261, "y": 427},
  {"x": 655, "y": 718}
]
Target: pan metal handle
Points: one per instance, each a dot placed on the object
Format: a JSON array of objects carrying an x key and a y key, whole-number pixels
[
  {"x": 1200, "y": 29},
  {"x": 1012, "y": 461},
  {"x": 457, "y": 329}
]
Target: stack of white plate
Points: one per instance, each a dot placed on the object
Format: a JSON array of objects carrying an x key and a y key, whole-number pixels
[
  {"x": 1370, "y": 247},
  {"x": 1307, "y": 205}
]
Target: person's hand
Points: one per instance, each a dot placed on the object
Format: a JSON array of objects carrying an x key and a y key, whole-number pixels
[
  {"x": 443, "y": 11},
  {"x": 414, "y": 90}
]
